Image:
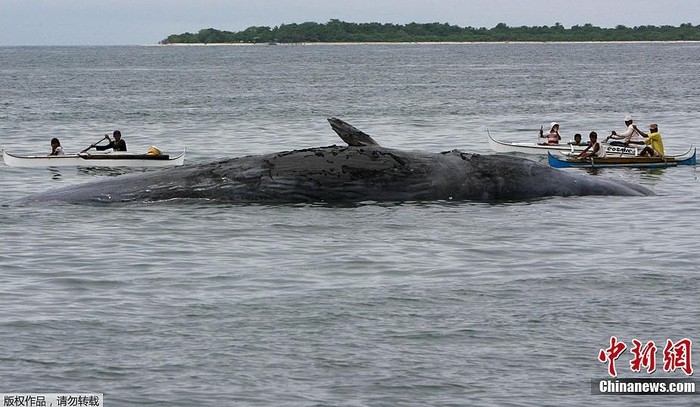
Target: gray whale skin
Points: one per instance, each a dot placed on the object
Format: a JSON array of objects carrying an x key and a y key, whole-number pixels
[{"x": 361, "y": 171}]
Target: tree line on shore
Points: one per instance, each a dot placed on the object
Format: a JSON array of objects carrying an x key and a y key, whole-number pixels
[{"x": 340, "y": 31}]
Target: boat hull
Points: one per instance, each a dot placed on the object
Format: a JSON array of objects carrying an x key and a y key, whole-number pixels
[
  {"x": 111, "y": 160},
  {"x": 688, "y": 158}
]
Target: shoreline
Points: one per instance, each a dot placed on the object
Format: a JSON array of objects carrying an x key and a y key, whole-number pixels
[
  {"x": 259, "y": 44},
  {"x": 248, "y": 44}
]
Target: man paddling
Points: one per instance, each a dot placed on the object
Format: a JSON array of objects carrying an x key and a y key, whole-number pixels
[
  {"x": 655, "y": 146},
  {"x": 630, "y": 135},
  {"x": 118, "y": 144}
]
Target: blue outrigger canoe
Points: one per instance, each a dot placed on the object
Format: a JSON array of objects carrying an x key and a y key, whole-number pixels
[{"x": 687, "y": 158}]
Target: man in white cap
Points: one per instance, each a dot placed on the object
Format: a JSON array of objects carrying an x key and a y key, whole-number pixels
[{"x": 631, "y": 135}]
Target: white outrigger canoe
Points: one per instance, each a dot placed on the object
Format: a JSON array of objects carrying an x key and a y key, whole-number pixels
[
  {"x": 532, "y": 148},
  {"x": 536, "y": 148},
  {"x": 115, "y": 159}
]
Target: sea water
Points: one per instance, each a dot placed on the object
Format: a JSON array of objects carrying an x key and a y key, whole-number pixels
[{"x": 375, "y": 304}]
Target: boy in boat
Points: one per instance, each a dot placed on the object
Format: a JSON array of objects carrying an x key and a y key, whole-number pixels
[
  {"x": 593, "y": 149},
  {"x": 655, "y": 146},
  {"x": 577, "y": 141},
  {"x": 553, "y": 137},
  {"x": 56, "y": 148}
]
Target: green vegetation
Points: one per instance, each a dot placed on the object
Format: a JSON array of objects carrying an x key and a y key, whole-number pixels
[{"x": 340, "y": 31}]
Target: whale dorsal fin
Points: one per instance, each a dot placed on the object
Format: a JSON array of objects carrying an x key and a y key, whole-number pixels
[{"x": 351, "y": 135}]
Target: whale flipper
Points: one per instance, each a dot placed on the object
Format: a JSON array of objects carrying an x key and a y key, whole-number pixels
[{"x": 351, "y": 135}]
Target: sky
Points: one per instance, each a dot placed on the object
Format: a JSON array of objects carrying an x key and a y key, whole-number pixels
[{"x": 145, "y": 22}]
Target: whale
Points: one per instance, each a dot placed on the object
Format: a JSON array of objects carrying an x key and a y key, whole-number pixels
[{"x": 359, "y": 171}]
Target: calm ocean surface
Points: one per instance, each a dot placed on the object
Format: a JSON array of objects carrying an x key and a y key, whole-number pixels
[{"x": 422, "y": 304}]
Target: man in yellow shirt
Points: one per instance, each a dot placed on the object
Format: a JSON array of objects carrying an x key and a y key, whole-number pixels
[{"x": 655, "y": 146}]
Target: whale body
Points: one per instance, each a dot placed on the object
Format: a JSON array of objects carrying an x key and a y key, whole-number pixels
[{"x": 360, "y": 171}]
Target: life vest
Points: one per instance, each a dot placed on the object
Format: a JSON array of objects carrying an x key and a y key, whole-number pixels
[{"x": 552, "y": 138}]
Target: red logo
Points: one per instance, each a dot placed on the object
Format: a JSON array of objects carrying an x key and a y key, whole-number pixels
[
  {"x": 675, "y": 356},
  {"x": 643, "y": 357},
  {"x": 611, "y": 354}
]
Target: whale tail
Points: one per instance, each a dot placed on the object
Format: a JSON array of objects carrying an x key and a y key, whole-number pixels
[{"x": 351, "y": 135}]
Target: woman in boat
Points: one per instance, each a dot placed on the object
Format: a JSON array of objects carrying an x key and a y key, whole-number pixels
[
  {"x": 56, "y": 148},
  {"x": 593, "y": 149},
  {"x": 655, "y": 146},
  {"x": 553, "y": 137}
]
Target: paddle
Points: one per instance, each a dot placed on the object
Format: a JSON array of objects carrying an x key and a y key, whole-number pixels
[{"x": 94, "y": 144}]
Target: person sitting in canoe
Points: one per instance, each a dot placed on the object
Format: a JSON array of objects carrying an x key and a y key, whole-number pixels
[
  {"x": 593, "y": 149},
  {"x": 118, "y": 144},
  {"x": 630, "y": 135},
  {"x": 655, "y": 146},
  {"x": 553, "y": 137},
  {"x": 577, "y": 141},
  {"x": 56, "y": 148}
]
